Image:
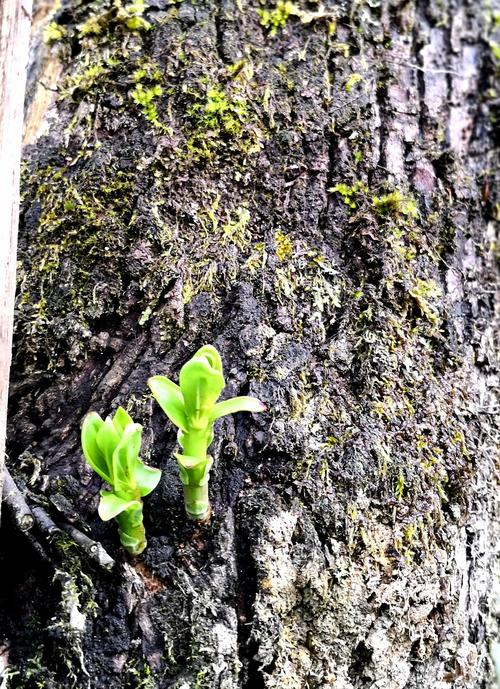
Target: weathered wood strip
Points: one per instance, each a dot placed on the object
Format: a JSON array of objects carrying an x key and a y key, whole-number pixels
[{"x": 15, "y": 19}]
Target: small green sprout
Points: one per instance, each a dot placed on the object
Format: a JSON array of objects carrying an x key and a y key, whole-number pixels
[
  {"x": 192, "y": 406},
  {"x": 112, "y": 447}
]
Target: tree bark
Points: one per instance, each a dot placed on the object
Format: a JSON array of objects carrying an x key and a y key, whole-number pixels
[
  {"x": 310, "y": 188},
  {"x": 14, "y": 41}
]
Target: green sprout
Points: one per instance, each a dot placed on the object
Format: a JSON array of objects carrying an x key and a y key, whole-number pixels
[
  {"x": 112, "y": 447},
  {"x": 192, "y": 406}
]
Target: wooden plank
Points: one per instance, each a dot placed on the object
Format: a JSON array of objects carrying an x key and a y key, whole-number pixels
[{"x": 15, "y": 21}]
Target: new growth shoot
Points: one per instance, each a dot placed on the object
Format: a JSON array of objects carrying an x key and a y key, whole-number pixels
[
  {"x": 192, "y": 406},
  {"x": 112, "y": 448}
]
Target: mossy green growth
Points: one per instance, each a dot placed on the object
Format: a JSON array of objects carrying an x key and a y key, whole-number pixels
[
  {"x": 220, "y": 112},
  {"x": 144, "y": 97},
  {"x": 148, "y": 89},
  {"x": 192, "y": 406},
  {"x": 284, "y": 246},
  {"x": 112, "y": 448},
  {"x": 348, "y": 192},
  {"x": 352, "y": 81},
  {"x": 236, "y": 230},
  {"x": 221, "y": 117},
  {"x": 129, "y": 16},
  {"x": 395, "y": 203},
  {"x": 423, "y": 291},
  {"x": 495, "y": 50},
  {"x": 83, "y": 218},
  {"x": 276, "y": 19},
  {"x": 53, "y": 32}
]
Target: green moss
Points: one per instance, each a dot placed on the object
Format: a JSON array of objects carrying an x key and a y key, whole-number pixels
[
  {"x": 86, "y": 79},
  {"x": 395, "y": 203},
  {"x": 53, "y": 32},
  {"x": 216, "y": 228},
  {"x": 140, "y": 675},
  {"x": 284, "y": 246},
  {"x": 33, "y": 672},
  {"x": 349, "y": 192},
  {"x": 275, "y": 19},
  {"x": 288, "y": 82},
  {"x": 144, "y": 97},
  {"x": 129, "y": 17},
  {"x": 306, "y": 272},
  {"x": 352, "y": 81},
  {"x": 495, "y": 50},
  {"x": 200, "y": 679},
  {"x": 358, "y": 156},
  {"x": 83, "y": 219},
  {"x": 220, "y": 112},
  {"x": 424, "y": 291},
  {"x": 399, "y": 488},
  {"x": 236, "y": 229},
  {"x": 110, "y": 36},
  {"x": 221, "y": 118}
]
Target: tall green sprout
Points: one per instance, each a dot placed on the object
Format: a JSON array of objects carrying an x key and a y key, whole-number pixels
[
  {"x": 112, "y": 448},
  {"x": 192, "y": 406}
]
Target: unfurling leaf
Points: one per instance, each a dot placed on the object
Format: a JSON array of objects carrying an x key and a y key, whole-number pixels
[
  {"x": 125, "y": 457},
  {"x": 110, "y": 505},
  {"x": 146, "y": 478},
  {"x": 201, "y": 383},
  {"x": 237, "y": 404},
  {"x": 169, "y": 397},
  {"x": 112, "y": 449},
  {"x": 192, "y": 407},
  {"x": 93, "y": 454}
]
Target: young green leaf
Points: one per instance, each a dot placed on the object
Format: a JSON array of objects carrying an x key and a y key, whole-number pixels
[
  {"x": 211, "y": 355},
  {"x": 201, "y": 384},
  {"x": 121, "y": 419},
  {"x": 125, "y": 456},
  {"x": 146, "y": 478},
  {"x": 237, "y": 404},
  {"x": 112, "y": 449},
  {"x": 107, "y": 439},
  {"x": 169, "y": 397},
  {"x": 110, "y": 505},
  {"x": 94, "y": 456}
]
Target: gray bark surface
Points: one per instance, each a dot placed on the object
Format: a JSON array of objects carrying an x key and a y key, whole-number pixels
[
  {"x": 14, "y": 41},
  {"x": 311, "y": 190}
]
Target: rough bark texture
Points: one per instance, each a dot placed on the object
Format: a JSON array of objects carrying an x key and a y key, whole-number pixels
[
  {"x": 14, "y": 41},
  {"x": 309, "y": 188}
]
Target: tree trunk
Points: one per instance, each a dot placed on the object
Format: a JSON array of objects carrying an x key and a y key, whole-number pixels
[
  {"x": 14, "y": 40},
  {"x": 309, "y": 188}
]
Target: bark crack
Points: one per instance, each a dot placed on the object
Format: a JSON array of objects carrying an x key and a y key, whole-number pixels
[
  {"x": 219, "y": 31},
  {"x": 252, "y": 677}
]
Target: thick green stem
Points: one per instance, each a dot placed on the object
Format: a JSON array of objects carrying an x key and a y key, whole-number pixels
[
  {"x": 195, "y": 443},
  {"x": 131, "y": 530},
  {"x": 196, "y": 501},
  {"x": 194, "y": 466}
]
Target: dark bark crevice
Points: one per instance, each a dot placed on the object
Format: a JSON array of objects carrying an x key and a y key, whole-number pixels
[{"x": 251, "y": 673}]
